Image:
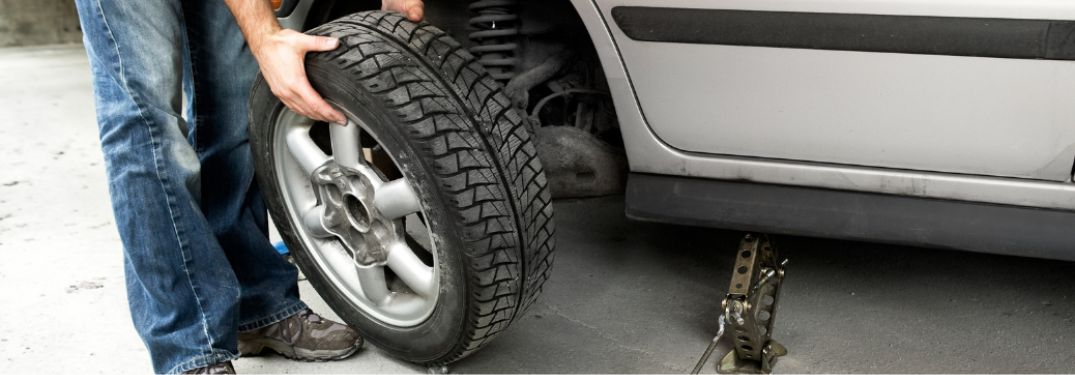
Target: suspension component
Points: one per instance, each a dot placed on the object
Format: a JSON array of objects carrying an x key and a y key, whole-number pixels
[{"x": 495, "y": 36}]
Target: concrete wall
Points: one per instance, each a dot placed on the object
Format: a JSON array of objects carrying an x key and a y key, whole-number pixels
[{"x": 34, "y": 22}]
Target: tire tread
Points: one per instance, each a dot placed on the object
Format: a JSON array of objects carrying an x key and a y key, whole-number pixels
[{"x": 420, "y": 70}]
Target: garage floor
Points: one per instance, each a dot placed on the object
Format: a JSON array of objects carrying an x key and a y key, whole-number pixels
[{"x": 624, "y": 296}]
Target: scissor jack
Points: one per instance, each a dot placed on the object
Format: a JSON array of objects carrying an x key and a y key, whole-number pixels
[{"x": 749, "y": 310}]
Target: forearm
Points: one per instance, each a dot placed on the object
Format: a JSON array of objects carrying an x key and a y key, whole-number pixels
[{"x": 256, "y": 20}]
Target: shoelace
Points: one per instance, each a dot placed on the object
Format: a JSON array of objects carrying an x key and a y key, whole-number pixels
[{"x": 311, "y": 316}]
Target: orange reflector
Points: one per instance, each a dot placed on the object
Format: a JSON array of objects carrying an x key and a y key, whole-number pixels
[{"x": 276, "y": 4}]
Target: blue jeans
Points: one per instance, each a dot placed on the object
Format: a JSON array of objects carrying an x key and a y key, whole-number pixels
[{"x": 197, "y": 258}]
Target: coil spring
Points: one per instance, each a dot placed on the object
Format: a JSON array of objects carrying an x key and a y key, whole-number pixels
[{"x": 496, "y": 28}]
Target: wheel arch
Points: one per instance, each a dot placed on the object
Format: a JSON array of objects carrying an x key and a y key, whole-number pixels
[
  {"x": 631, "y": 121},
  {"x": 628, "y": 112}
]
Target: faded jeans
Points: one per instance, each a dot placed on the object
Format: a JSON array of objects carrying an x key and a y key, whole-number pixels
[{"x": 197, "y": 259}]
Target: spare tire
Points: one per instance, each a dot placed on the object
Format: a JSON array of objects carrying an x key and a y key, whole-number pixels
[{"x": 426, "y": 222}]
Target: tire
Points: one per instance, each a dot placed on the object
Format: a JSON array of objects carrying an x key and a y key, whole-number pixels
[{"x": 450, "y": 133}]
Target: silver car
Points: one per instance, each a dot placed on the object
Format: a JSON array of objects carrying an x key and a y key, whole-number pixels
[{"x": 426, "y": 221}]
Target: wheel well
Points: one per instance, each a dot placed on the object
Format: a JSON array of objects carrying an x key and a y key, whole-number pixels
[{"x": 542, "y": 53}]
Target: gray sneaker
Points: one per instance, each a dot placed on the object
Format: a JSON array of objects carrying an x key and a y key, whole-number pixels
[
  {"x": 216, "y": 368},
  {"x": 304, "y": 336}
]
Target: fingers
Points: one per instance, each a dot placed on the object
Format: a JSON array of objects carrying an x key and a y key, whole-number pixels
[
  {"x": 299, "y": 96},
  {"x": 415, "y": 14},
  {"x": 310, "y": 100},
  {"x": 282, "y": 66},
  {"x": 415, "y": 10},
  {"x": 412, "y": 9},
  {"x": 312, "y": 43},
  {"x": 318, "y": 108}
]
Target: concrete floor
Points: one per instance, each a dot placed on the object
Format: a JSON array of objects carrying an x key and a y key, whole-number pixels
[{"x": 624, "y": 296}]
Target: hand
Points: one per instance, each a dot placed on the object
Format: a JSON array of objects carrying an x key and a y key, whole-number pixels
[
  {"x": 414, "y": 10},
  {"x": 281, "y": 55}
]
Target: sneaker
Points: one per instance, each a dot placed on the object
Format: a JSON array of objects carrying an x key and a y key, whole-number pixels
[
  {"x": 305, "y": 336},
  {"x": 216, "y": 368}
]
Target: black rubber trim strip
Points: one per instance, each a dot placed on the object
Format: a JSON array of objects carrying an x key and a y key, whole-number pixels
[
  {"x": 953, "y": 36},
  {"x": 804, "y": 211}
]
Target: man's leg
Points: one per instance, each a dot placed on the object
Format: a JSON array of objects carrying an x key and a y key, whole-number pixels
[
  {"x": 223, "y": 72},
  {"x": 182, "y": 293}
]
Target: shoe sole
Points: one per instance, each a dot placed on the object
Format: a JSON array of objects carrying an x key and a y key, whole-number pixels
[{"x": 260, "y": 348}]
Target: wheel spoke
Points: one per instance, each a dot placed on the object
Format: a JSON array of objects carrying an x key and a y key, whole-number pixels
[
  {"x": 312, "y": 220},
  {"x": 303, "y": 148},
  {"x": 396, "y": 199},
  {"x": 417, "y": 275},
  {"x": 338, "y": 258},
  {"x": 346, "y": 149},
  {"x": 373, "y": 284}
]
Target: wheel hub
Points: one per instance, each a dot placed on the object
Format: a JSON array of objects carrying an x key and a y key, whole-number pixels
[
  {"x": 365, "y": 234},
  {"x": 347, "y": 211},
  {"x": 357, "y": 213}
]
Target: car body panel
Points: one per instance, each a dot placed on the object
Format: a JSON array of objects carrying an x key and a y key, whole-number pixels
[
  {"x": 954, "y": 114},
  {"x": 929, "y": 113},
  {"x": 647, "y": 153},
  {"x": 293, "y": 14}
]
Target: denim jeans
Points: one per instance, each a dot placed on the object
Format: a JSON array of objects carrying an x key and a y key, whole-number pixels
[{"x": 197, "y": 259}]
